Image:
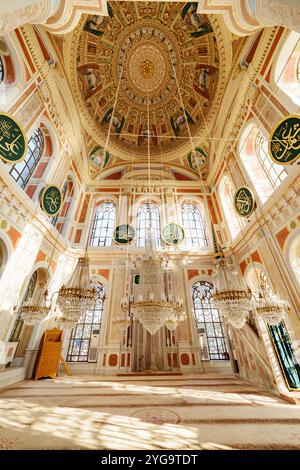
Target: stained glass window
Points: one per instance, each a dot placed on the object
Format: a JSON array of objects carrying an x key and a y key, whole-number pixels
[
  {"x": 148, "y": 225},
  {"x": 22, "y": 171},
  {"x": 193, "y": 224},
  {"x": 103, "y": 226},
  {"x": 208, "y": 320},
  {"x": 81, "y": 334}
]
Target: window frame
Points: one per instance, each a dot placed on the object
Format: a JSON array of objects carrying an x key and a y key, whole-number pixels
[
  {"x": 196, "y": 225},
  {"x": 105, "y": 235},
  {"x": 206, "y": 309},
  {"x": 33, "y": 155},
  {"x": 143, "y": 222}
]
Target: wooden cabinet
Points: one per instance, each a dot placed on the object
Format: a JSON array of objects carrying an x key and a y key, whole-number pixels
[{"x": 49, "y": 354}]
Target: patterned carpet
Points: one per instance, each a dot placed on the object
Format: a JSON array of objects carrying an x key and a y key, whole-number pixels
[{"x": 166, "y": 412}]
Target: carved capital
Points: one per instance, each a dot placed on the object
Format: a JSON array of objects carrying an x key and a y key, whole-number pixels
[{"x": 36, "y": 13}]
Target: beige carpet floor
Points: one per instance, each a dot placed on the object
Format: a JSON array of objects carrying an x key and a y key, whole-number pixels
[{"x": 167, "y": 412}]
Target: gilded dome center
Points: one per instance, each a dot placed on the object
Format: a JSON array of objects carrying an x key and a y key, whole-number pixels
[{"x": 147, "y": 61}]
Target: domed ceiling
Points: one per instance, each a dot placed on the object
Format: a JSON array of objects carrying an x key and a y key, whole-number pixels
[{"x": 148, "y": 68}]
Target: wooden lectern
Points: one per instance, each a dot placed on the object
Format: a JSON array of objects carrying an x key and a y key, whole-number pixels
[{"x": 49, "y": 354}]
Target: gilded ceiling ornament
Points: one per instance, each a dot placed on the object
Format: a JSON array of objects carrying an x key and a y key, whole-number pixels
[{"x": 125, "y": 66}]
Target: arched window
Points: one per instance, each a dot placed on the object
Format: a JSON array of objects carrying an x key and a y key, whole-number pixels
[
  {"x": 88, "y": 324},
  {"x": 103, "y": 225},
  {"x": 264, "y": 174},
  {"x": 148, "y": 225},
  {"x": 22, "y": 171},
  {"x": 208, "y": 320},
  {"x": 193, "y": 224},
  {"x": 226, "y": 192},
  {"x": 287, "y": 70},
  {"x": 59, "y": 221}
]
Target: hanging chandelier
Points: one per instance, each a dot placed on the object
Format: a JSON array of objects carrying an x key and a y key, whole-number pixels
[
  {"x": 152, "y": 304},
  {"x": 232, "y": 296},
  {"x": 76, "y": 297},
  {"x": 270, "y": 307},
  {"x": 34, "y": 314}
]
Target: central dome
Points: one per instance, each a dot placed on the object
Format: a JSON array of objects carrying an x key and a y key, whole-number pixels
[
  {"x": 143, "y": 59},
  {"x": 148, "y": 70}
]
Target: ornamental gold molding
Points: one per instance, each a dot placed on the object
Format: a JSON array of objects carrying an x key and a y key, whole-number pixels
[
  {"x": 243, "y": 20},
  {"x": 73, "y": 44}
]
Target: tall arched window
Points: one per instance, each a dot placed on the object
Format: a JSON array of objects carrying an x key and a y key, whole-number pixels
[
  {"x": 264, "y": 174},
  {"x": 22, "y": 171},
  {"x": 88, "y": 324},
  {"x": 226, "y": 192},
  {"x": 148, "y": 225},
  {"x": 103, "y": 225},
  {"x": 193, "y": 224},
  {"x": 208, "y": 320},
  {"x": 287, "y": 70}
]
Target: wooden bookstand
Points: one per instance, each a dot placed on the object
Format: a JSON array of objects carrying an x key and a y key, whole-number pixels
[{"x": 49, "y": 355}]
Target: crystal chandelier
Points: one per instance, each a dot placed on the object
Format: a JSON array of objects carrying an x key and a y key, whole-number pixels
[
  {"x": 270, "y": 307},
  {"x": 232, "y": 296},
  {"x": 122, "y": 321},
  {"x": 33, "y": 313},
  {"x": 151, "y": 304},
  {"x": 76, "y": 296}
]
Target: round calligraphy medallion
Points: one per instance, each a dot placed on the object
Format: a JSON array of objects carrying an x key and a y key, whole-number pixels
[
  {"x": 244, "y": 202},
  {"x": 172, "y": 234},
  {"x": 124, "y": 234},
  {"x": 51, "y": 200},
  {"x": 284, "y": 143},
  {"x": 13, "y": 142}
]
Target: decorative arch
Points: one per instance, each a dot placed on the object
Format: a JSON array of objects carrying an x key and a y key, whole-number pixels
[
  {"x": 292, "y": 254},
  {"x": 265, "y": 175},
  {"x": 5, "y": 251},
  {"x": 256, "y": 275},
  {"x": 35, "y": 283},
  {"x": 226, "y": 192},
  {"x": 287, "y": 68}
]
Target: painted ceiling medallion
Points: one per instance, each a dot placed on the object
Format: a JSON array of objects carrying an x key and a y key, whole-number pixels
[{"x": 124, "y": 68}]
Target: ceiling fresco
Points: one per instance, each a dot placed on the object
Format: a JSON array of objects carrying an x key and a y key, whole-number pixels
[{"x": 126, "y": 72}]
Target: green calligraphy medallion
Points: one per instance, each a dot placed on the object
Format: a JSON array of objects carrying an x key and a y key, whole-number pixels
[
  {"x": 284, "y": 144},
  {"x": 172, "y": 234},
  {"x": 244, "y": 202},
  {"x": 51, "y": 200},
  {"x": 13, "y": 142}
]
